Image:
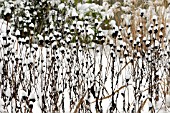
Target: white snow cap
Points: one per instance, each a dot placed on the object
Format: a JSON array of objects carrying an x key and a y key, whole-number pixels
[
  {"x": 7, "y": 10},
  {"x": 3, "y": 34},
  {"x": 154, "y": 18},
  {"x": 111, "y": 41},
  {"x": 17, "y": 32},
  {"x": 21, "y": 93},
  {"x": 128, "y": 31},
  {"x": 112, "y": 23},
  {"x": 61, "y": 6},
  {"x": 35, "y": 45},
  {"x": 31, "y": 32},
  {"x": 156, "y": 43},
  {"x": 52, "y": 26},
  {"x": 142, "y": 11},
  {"x": 20, "y": 18},
  {"x": 40, "y": 37},
  {"x": 25, "y": 29},
  {"x": 125, "y": 52},
  {"x": 32, "y": 95},
  {"x": 160, "y": 33},
  {"x": 161, "y": 26},
  {"x": 147, "y": 42},
  {"x": 137, "y": 39},
  {"x": 130, "y": 38},
  {"x": 93, "y": 45},
  {"x": 155, "y": 27},
  {"x": 138, "y": 54},
  {"x": 31, "y": 25},
  {"x": 74, "y": 13}
]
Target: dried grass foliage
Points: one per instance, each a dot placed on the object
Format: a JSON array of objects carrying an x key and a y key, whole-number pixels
[
  {"x": 106, "y": 97},
  {"x": 79, "y": 103},
  {"x": 142, "y": 105}
]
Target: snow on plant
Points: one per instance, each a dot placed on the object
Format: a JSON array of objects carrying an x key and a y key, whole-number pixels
[{"x": 70, "y": 57}]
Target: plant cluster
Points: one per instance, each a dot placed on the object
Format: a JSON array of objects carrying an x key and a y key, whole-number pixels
[{"x": 64, "y": 57}]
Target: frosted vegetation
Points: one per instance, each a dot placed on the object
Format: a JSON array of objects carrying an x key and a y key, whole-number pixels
[{"x": 76, "y": 56}]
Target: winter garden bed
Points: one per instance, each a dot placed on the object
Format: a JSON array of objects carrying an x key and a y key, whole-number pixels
[{"x": 84, "y": 57}]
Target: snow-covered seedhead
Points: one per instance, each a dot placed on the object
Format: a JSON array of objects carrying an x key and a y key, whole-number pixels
[
  {"x": 157, "y": 44},
  {"x": 161, "y": 27},
  {"x": 150, "y": 29},
  {"x": 155, "y": 29},
  {"x": 154, "y": 18},
  {"x": 31, "y": 26},
  {"x": 144, "y": 39},
  {"x": 7, "y": 13},
  {"x": 41, "y": 39},
  {"x": 160, "y": 34},
  {"x": 130, "y": 39},
  {"x": 17, "y": 33},
  {"x": 142, "y": 12},
  {"x": 4, "y": 36}
]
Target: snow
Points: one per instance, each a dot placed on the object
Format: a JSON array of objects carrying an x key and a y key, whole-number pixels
[{"x": 93, "y": 63}]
